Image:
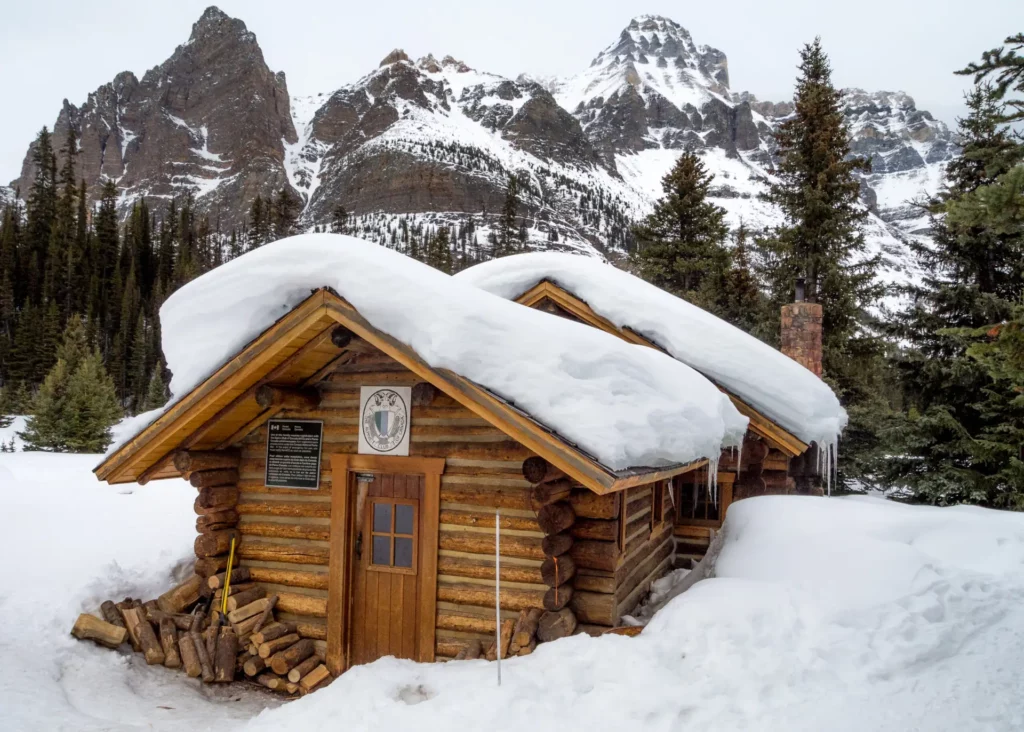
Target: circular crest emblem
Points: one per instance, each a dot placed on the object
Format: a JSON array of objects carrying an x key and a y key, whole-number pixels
[{"x": 385, "y": 420}]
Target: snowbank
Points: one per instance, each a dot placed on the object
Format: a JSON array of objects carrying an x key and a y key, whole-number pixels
[
  {"x": 825, "y": 614},
  {"x": 770, "y": 382},
  {"x": 627, "y": 406}
]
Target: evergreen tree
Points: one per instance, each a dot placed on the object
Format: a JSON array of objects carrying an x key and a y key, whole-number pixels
[
  {"x": 259, "y": 223},
  {"x": 106, "y": 246},
  {"x": 505, "y": 242},
  {"x": 1008, "y": 69},
  {"x": 286, "y": 209},
  {"x": 42, "y": 206},
  {"x": 681, "y": 244},
  {"x": 339, "y": 219},
  {"x": 738, "y": 299},
  {"x": 156, "y": 393},
  {"x": 76, "y": 404},
  {"x": 6, "y": 409},
  {"x": 972, "y": 279},
  {"x": 62, "y": 259}
]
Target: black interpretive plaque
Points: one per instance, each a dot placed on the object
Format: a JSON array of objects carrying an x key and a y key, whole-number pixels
[{"x": 293, "y": 453}]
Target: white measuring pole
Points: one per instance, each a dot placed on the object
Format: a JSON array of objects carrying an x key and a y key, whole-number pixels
[{"x": 497, "y": 588}]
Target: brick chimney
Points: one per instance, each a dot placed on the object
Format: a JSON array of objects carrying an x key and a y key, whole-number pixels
[{"x": 801, "y": 331}]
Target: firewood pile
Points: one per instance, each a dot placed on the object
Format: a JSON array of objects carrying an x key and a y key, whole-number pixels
[{"x": 184, "y": 629}]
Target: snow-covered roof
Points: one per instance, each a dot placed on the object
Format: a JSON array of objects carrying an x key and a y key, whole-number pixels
[
  {"x": 625, "y": 405},
  {"x": 770, "y": 382}
]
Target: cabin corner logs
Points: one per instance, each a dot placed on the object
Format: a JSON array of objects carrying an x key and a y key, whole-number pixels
[{"x": 572, "y": 561}]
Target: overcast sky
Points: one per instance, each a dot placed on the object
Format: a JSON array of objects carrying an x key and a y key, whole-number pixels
[{"x": 54, "y": 50}]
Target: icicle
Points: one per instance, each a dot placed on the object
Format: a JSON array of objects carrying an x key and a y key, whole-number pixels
[
  {"x": 713, "y": 480},
  {"x": 739, "y": 460}
]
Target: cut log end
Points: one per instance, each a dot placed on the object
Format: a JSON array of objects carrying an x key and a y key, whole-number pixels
[{"x": 89, "y": 627}]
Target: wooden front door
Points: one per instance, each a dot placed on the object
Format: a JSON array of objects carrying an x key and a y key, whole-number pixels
[
  {"x": 386, "y": 566},
  {"x": 382, "y": 591}
]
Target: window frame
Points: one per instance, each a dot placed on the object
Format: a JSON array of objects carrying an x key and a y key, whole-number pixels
[{"x": 392, "y": 536}]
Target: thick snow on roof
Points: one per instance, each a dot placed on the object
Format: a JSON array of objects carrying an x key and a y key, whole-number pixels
[
  {"x": 772, "y": 383},
  {"x": 627, "y": 406}
]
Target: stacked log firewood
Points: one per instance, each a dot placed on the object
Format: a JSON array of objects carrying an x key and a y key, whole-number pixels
[{"x": 184, "y": 629}]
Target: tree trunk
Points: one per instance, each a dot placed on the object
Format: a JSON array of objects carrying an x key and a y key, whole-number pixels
[{"x": 89, "y": 627}]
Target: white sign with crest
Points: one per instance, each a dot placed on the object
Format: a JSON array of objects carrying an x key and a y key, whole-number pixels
[{"x": 384, "y": 420}]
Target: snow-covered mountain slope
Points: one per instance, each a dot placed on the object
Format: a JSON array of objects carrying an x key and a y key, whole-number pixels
[{"x": 429, "y": 142}]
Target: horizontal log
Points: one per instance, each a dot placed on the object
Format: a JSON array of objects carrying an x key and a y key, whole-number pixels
[
  {"x": 253, "y": 609},
  {"x": 291, "y": 578},
  {"x": 599, "y": 529},
  {"x": 210, "y": 565},
  {"x": 213, "y": 478},
  {"x": 217, "y": 520},
  {"x": 423, "y": 394},
  {"x": 315, "y": 532},
  {"x": 558, "y": 597},
  {"x": 484, "y": 569},
  {"x": 595, "y": 554},
  {"x": 292, "y": 602},
  {"x": 89, "y": 627},
  {"x": 254, "y": 666},
  {"x": 447, "y": 647},
  {"x": 471, "y": 649},
  {"x": 593, "y": 582},
  {"x": 555, "y": 625},
  {"x": 217, "y": 542},
  {"x": 545, "y": 494},
  {"x": 271, "y": 632},
  {"x": 481, "y": 595},
  {"x": 296, "y": 674},
  {"x": 251, "y": 548},
  {"x": 268, "y": 648},
  {"x": 485, "y": 520},
  {"x": 556, "y": 571},
  {"x": 178, "y": 598},
  {"x": 557, "y": 544},
  {"x": 590, "y": 505},
  {"x": 244, "y": 598},
  {"x": 216, "y": 498},
  {"x": 594, "y": 607},
  {"x": 295, "y": 509},
  {"x": 556, "y": 517},
  {"x": 524, "y": 547},
  {"x": 314, "y": 679},
  {"x": 188, "y": 461},
  {"x": 283, "y": 397},
  {"x": 465, "y": 622},
  {"x": 538, "y": 470},
  {"x": 285, "y": 660},
  {"x": 505, "y": 450},
  {"x": 240, "y": 574}
]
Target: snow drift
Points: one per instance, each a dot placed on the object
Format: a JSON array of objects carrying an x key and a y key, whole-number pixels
[
  {"x": 772, "y": 383},
  {"x": 625, "y": 405},
  {"x": 825, "y": 614}
]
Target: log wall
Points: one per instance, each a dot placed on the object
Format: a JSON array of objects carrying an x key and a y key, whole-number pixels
[{"x": 284, "y": 533}]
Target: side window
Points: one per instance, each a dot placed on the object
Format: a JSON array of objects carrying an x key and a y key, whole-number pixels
[
  {"x": 394, "y": 535},
  {"x": 658, "y": 505}
]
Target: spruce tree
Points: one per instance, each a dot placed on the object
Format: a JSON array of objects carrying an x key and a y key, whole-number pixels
[
  {"x": 42, "y": 205},
  {"x": 1008, "y": 69},
  {"x": 738, "y": 298},
  {"x": 505, "y": 238},
  {"x": 339, "y": 219},
  {"x": 972, "y": 279},
  {"x": 156, "y": 393},
  {"x": 681, "y": 244},
  {"x": 287, "y": 207}
]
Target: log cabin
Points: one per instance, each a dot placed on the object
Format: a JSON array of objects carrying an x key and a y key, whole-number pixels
[
  {"x": 378, "y": 543},
  {"x": 779, "y": 453}
]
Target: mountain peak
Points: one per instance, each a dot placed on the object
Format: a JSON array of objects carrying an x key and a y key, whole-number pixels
[
  {"x": 215, "y": 22},
  {"x": 394, "y": 57}
]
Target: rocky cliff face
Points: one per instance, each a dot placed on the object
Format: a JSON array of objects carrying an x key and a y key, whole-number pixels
[
  {"x": 210, "y": 120},
  {"x": 436, "y": 140}
]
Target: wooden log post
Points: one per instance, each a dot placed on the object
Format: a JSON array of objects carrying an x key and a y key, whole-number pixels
[
  {"x": 189, "y": 657},
  {"x": 556, "y": 519},
  {"x": 204, "y": 659},
  {"x": 224, "y": 661},
  {"x": 141, "y": 629},
  {"x": 284, "y": 397},
  {"x": 89, "y": 627},
  {"x": 169, "y": 643}
]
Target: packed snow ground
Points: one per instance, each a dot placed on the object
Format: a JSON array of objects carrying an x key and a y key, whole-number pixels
[{"x": 825, "y": 614}]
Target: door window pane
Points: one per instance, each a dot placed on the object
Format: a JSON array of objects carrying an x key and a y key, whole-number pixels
[
  {"x": 381, "y": 550},
  {"x": 403, "y": 519},
  {"x": 403, "y": 552},
  {"x": 381, "y": 518}
]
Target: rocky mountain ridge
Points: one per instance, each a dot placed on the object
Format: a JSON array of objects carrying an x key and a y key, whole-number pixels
[{"x": 435, "y": 141}]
